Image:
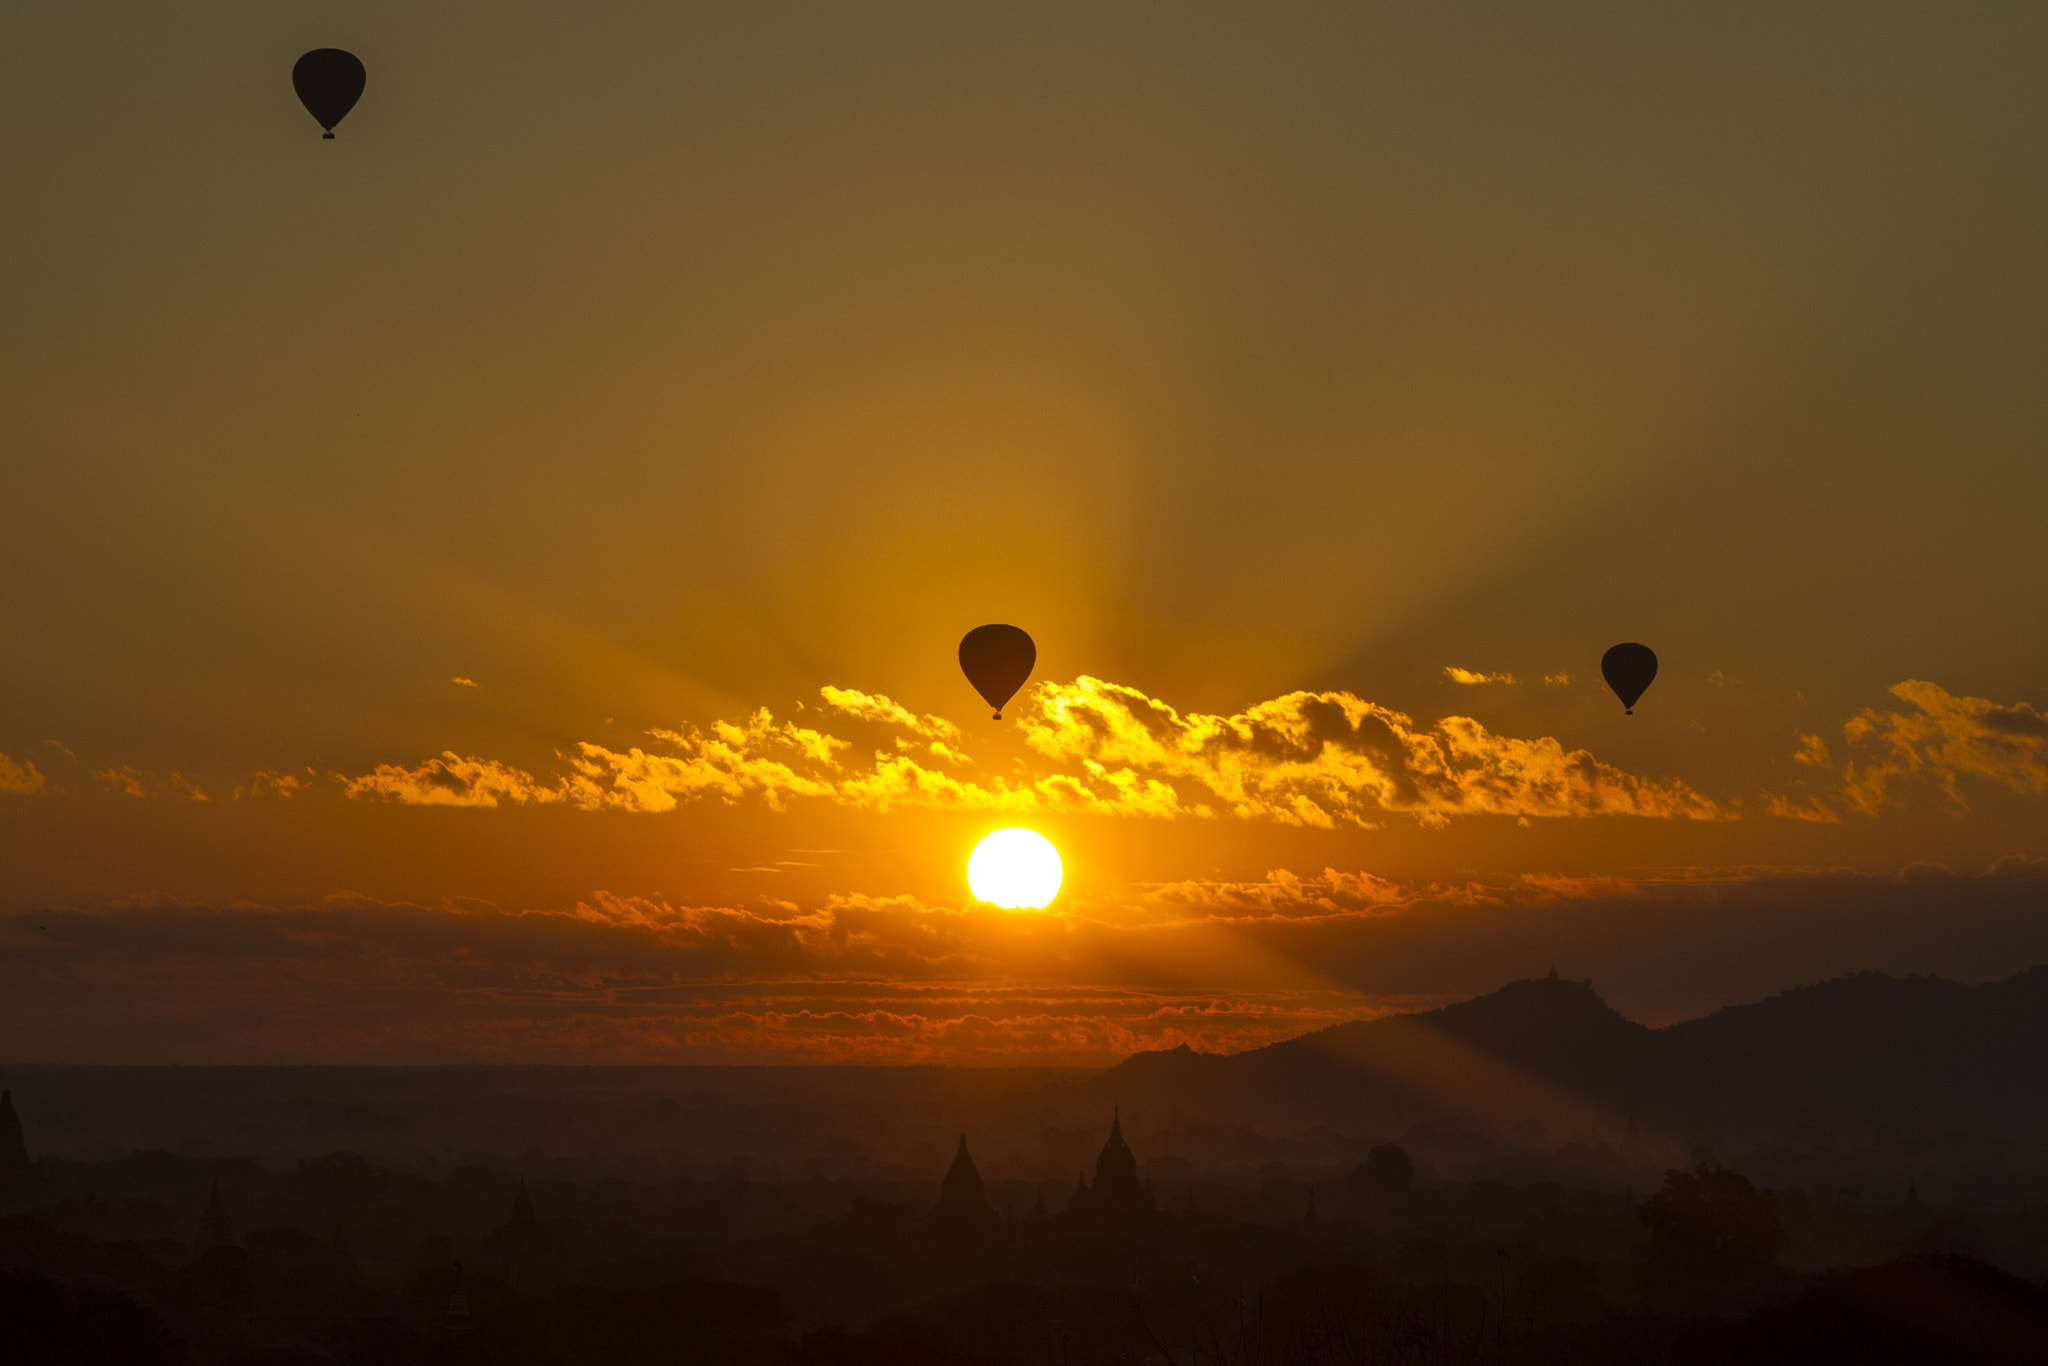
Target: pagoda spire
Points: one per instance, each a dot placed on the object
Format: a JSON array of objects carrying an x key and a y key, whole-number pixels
[
  {"x": 963, "y": 1200},
  {"x": 1116, "y": 1190}
]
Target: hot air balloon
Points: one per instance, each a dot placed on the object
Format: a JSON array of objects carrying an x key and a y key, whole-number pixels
[
  {"x": 329, "y": 82},
  {"x": 997, "y": 660},
  {"x": 1628, "y": 670}
]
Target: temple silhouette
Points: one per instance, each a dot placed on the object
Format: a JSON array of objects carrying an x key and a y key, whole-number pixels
[
  {"x": 1117, "y": 1196},
  {"x": 963, "y": 1209}
]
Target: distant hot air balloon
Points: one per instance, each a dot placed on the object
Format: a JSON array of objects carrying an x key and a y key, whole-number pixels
[
  {"x": 329, "y": 82},
  {"x": 1628, "y": 670},
  {"x": 997, "y": 660}
]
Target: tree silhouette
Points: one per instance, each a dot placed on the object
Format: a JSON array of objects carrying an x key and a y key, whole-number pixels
[{"x": 1714, "y": 1240}]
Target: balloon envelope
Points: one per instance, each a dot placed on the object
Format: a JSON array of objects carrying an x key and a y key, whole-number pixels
[
  {"x": 997, "y": 660},
  {"x": 329, "y": 82},
  {"x": 1628, "y": 670}
]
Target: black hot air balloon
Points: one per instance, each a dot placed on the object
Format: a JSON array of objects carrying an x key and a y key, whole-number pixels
[
  {"x": 1628, "y": 670},
  {"x": 997, "y": 660},
  {"x": 329, "y": 82}
]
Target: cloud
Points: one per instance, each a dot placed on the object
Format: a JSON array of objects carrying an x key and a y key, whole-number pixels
[
  {"x": 137, "y": 783},
  {"x": 1805, "y": 809},
  {"x": 1281, "y": 893},
  {"x": 1556, "y": 680},
  {"x": 21, "y": 777},
  {"x": 1304, "y": 759},
  {"x": 905, "y": 762},
  {"x": 452, "y": 780},
  {"x": 1320, "y": 758},
  {"x": 1661, "y": 947},
  {"x": 873, "y": 707},
  {"x": 125, "y": 778},
  {"x": 613, "y": 978},
  {"x": 850, "y": 935},
  {"x": 1471, "y": 679},
  {"x": 461, "y": 682},
  {"x": 1942, "y": 740},
  {"x": 893, "y": 759},
  {"x": 264, "y": 783},
  {"x": 616, "y": 977}
]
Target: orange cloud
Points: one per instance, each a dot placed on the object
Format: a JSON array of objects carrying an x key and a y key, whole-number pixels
[
  {"x": 876, "y": 979},
  {"x": 1807, "y": 809},
  {"x": 1471, "y": 679},
  {"x": 264, "y": 783},
  {"x": 136, "y": 783},
  {"x": 1319, "y": 758},
  {"x": 617, "y": 977},
  {"x": 1282, "y": 893},
  {"x": 1943, "y": 739},
  {"x": 19, "y": 777},
  {"x": 452, "y": 780},
  {"x": 1304, "y": 759},
  {"x": 125, "y": 778}
]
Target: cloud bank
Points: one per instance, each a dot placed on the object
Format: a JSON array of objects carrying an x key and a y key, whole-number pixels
[
  {"x": 1320, "y": 758},
  {"x": 614, "y": 978},
  {"x": 1218, "y": 965},
  {"x": 1309, "y": 759},
  {"x": 1941, "y": 741}
]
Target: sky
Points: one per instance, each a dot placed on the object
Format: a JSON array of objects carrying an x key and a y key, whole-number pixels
[{"x": 486, "y": 586}]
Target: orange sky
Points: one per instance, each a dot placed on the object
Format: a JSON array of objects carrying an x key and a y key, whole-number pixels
[{"x": 497, "y": 573}]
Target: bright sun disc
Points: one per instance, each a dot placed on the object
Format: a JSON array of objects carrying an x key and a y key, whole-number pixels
[{"x": 1015, "y": 868}]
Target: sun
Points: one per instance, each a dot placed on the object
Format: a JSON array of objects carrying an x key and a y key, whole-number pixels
[{"x": 1015, "y": 868}]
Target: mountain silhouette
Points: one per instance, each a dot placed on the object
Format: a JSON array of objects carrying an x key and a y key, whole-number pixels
[{"x": 1866, "y": 1048}]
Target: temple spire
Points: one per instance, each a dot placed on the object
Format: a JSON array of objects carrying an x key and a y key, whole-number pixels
[
  {"x": 1116, "y": 1190},
  {"x": 963, "y": 1206}
]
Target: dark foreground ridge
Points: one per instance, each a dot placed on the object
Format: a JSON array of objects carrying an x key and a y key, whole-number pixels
[{"x": 105, "y": 1262}]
